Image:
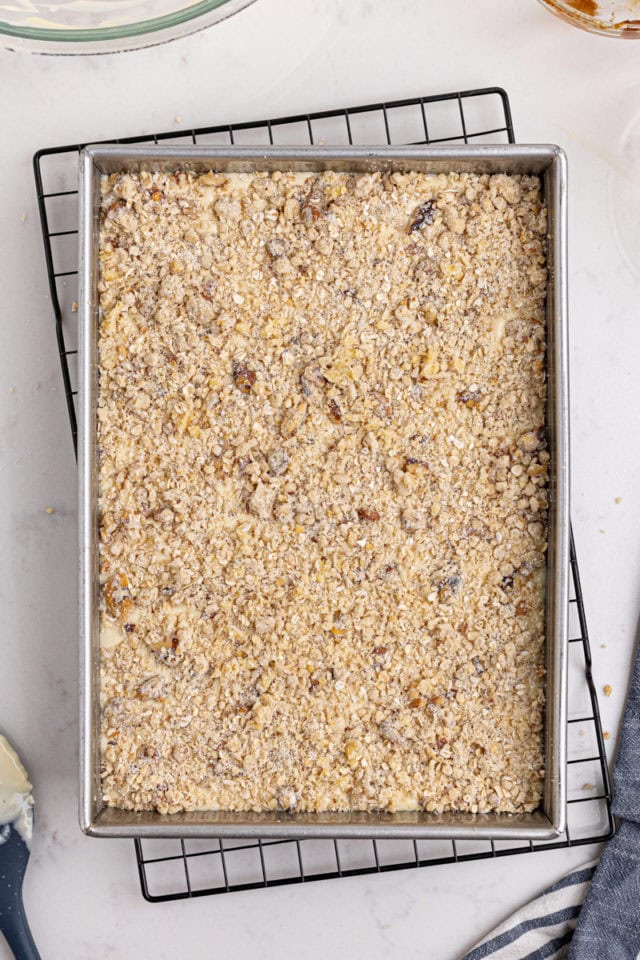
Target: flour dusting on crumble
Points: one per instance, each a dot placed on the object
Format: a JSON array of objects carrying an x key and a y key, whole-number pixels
[{"x": 323, "y": 479}]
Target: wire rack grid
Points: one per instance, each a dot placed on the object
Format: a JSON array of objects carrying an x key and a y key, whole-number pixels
[{"x": 178, "y": 869}]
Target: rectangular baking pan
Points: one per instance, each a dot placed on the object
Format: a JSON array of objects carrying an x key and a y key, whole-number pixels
[{"x": 550, "y": 163}]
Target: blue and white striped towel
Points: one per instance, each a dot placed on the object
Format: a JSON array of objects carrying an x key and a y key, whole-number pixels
[
  {"x": 543, "y": 928},
  {"x": 607, "y": 924}
]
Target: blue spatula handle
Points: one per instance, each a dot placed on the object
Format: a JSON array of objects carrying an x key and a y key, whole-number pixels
[
  {"x": 15, "y": 928},
  {"x": 14, "y": 856}
]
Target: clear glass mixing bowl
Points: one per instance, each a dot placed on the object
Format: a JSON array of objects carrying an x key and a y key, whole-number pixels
[
  {"x": 104, "y": 26},
  {"x": 609, "y": 18}
]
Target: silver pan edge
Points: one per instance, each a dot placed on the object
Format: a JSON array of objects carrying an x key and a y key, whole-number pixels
[{"x": 549, "y": 821}]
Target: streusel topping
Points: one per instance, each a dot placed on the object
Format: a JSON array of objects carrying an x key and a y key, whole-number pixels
[{"x": 322, "y": 491}]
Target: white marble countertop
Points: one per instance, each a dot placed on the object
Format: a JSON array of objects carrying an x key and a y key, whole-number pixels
[{"x": 278, "y": 57}]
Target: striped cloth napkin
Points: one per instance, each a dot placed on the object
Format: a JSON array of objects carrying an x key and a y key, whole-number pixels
[
  {"x": 544, "y": 927},
  {"x": 594, "y": 912}
]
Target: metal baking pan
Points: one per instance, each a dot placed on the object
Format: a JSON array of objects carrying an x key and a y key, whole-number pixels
[{"x": 547, "y": 161}]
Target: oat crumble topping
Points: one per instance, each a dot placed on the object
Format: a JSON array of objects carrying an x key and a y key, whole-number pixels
[{"x": 322, "y": 495}]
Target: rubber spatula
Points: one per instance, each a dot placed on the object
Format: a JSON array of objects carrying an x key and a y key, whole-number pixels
[{"x": 16, "y": 828}]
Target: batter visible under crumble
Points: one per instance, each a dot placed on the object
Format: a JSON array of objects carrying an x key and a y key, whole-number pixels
[{"x": 322, "y": 491}]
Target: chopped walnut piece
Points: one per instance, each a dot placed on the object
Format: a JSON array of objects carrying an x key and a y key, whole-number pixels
[
  {"x": 335, "y": 413},
  {"x": 244, "y": 377},
  {"x": 449, "y": 588},
  {"x": 368, "y": 513},
  {"x": 469, "y": 397},
  {"x": 423, "y": 216},
  {"x": 411, "y": 463}
]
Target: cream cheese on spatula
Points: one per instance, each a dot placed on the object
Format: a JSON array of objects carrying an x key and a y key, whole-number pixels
[{"x": 16, "y": 796}]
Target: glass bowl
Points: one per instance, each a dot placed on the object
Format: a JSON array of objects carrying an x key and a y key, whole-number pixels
[
  {"x": 609, "y": 18},
  {"x": 105, "y": 26}
]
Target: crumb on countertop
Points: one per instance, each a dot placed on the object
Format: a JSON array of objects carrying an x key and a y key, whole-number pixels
[{"x": 607, "y": 689}]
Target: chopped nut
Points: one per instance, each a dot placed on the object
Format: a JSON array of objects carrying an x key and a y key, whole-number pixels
[
  {"x": 411, "y": 462},
  {"x": 335, "y": 413},
  {"x": 368, "y": 513},
  {"x": 469, "y": 398},
  {"x": 117, "y": 596},
  {"x": 244, "y": 377},
  {"x": 423, "y": 216},
  {"x": 449, "y": 588}
]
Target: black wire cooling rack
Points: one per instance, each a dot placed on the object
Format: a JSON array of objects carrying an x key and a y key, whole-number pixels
[{"x": 178, "y": 869}]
